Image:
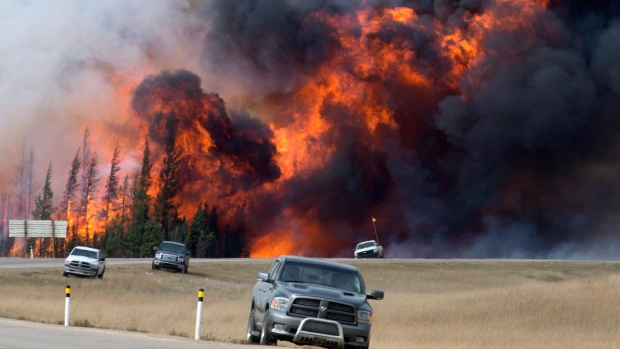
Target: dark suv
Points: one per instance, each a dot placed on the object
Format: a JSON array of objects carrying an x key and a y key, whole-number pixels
[{"x": 171, "y": 255}]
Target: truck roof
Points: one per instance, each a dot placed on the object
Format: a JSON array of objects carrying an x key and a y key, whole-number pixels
[
  {"x": 316, "y": 261},
  {"x": 87, "y": 248}
]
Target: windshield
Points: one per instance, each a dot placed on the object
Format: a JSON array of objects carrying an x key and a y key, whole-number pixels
[
  {"x": 166, "y": 246},
  {"x": 85, "y": 253},
  {"x": 366, "y": 245},
  {"x": 322, "y": 275}
]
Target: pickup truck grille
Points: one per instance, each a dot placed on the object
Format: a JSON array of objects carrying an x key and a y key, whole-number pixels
[
  {"x": 77, "y": 264},
  {"x": 309, "y": 307}
]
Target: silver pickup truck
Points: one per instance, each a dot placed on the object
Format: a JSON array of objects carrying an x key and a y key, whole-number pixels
[
  {"x": 84, "y": 261},
  {"x": 310, "y": 301},
  {"x": 368, "y": 249}
]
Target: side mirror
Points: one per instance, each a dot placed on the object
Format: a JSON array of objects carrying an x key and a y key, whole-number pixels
[
  {"x": 154, "y": 248},
  {"x": 262, "y": 276},
  {"x": 375, "y": 294},
  {"x": 102, "y": 259}
]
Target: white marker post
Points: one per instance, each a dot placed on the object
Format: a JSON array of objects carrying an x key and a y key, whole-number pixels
[
  {"x": 201, "y": 294},
  {"x": 67, "y": 303}
]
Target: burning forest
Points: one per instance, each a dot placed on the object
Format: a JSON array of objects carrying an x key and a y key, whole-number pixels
[{"x": 482, "y": 128}]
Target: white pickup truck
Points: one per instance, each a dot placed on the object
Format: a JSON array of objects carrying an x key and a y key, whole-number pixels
[
  {"x": 368, "y": 249},
  {"x": 85, "y": 261}
]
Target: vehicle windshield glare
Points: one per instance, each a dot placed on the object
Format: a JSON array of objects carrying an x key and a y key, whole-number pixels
[
  {"x": 85, "y": 253},
  {"x": 322, "y": 275},
  {"x": 164, "y": 246},
  {"x": 366, "y": 245}
]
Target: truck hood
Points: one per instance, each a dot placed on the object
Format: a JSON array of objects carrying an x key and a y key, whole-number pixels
[
  {"x": 373, "y": 248},
  {"x": 170, "y": 253},
  {"x": 289, "y": 289},
  {"x": 82, "y": 259}
]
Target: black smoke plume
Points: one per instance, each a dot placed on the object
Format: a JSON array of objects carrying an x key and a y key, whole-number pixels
[{"x": 523, "y": 163}]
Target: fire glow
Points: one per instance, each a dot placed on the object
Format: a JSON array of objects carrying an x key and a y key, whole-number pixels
[{"x": 351, "y": 111}]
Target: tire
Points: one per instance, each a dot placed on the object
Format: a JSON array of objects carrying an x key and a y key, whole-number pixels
[
  {"x": 249, "y": 337},
  {"x": 101, "y": 275},
  {"x": 65, "y": 275},
  {"x": 153, "y": 265},
  {"x": 184, "y": 271},
  {"x": 265, "y": 333}
]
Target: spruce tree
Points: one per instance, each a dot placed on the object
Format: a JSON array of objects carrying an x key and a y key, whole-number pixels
[
  {"x": 43, "y": 211},
  {"x": 112, "y": 184},
  {"x": 165, "y": 207},
  {"x": 91, "y": 182},
  {"x": 71, "y": 186},
  {"x": 140, "y": 205},
  {"x": 43, "y": 202},
  {"x": 199, "y": 226}
]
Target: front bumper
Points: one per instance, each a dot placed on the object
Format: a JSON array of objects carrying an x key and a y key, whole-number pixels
[
  {"x": 369, "y": 254},
  {"x": 290, "y": 328},
  {"x": 79, "y": 271},
  {"x": 167, "y": 264}
]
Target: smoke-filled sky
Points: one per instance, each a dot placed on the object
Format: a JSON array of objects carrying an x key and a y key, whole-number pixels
[{"x": 474, "y": 128}]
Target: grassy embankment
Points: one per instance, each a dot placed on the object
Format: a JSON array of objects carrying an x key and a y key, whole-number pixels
[{"x": 428, "y": 304}]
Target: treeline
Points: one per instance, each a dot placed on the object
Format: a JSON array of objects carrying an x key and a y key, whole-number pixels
[{"x": 127, "y": 221}]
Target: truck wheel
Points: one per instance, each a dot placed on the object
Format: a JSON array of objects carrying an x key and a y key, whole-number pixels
[
  {"x": 101, "y": 275},
  {"x": 250, "y": 338},
  {"x": 64, "y": 275},
  {"x": 265, "y": 333},
  {"x": 184, "y": 271}
]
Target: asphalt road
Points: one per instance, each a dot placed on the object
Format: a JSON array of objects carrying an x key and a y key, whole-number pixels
[
  {"x": 19, "y": 263},
  {"x": 16, "y": 334}
]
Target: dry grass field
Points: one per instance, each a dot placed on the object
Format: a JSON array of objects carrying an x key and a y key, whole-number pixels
[{"x": 428, "y": 303}]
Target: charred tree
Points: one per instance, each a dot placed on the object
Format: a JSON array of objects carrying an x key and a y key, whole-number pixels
[{"x": 86, "y": 159}]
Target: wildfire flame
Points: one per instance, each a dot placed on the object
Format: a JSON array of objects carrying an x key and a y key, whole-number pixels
[{"x": 349, "y": 110}]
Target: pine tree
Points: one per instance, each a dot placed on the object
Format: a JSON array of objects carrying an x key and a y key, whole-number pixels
[
  {"x": 43, "y": 210},
  {"x": 180, "y": 231},
  {"x": 71, "y": 186},
  {"x": 91, "y": 182},
  {"x": 43, "y": 202},
  {"x": 165, "y": 208},
  {"x": 213, "y": 224},
  {"x": 199, "y": 226},
  {"x": 125, "y": 199},
  {"x": 112, "y": 185},
  {"x": 140, "y": 205},
  {"x": 152, "y": 238}
]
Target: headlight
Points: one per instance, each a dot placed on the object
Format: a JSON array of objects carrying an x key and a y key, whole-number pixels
[
  {"x": 280, "y": 303},
  {"x": 94, "y": 266},
  {"x": 158, "y": 255},
  {"x": 364, "y": 317},
  {"x": 179, "y": 259}
]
